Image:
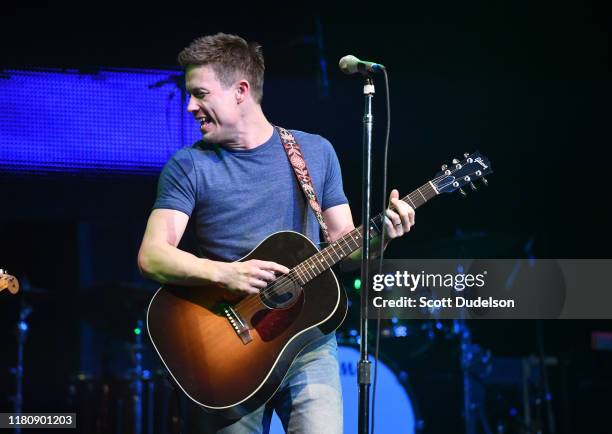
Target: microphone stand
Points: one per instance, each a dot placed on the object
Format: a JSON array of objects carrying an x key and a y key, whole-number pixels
[{"x": 363, "y": 366}]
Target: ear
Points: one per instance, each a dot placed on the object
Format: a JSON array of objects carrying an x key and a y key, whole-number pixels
[{"x": 243, "y": 89}]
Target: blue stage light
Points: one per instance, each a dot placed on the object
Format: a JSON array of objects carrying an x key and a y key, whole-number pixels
[{"x": 118, "y": 121}]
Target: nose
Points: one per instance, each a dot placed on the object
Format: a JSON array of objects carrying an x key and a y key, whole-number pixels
[{"x": 192, "y": 106}]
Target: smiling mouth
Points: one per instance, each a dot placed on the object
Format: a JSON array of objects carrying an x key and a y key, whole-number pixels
[{"x": 205, "y": 120}]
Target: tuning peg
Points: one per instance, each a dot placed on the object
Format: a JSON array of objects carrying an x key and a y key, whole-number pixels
[
  {"x": 473, "y": 186},
  {"x": 484, "y": 181},
  {"x": 455, "y": 161},
  {"x": 467, "y": 154},
  {"x": 462, "y": 192},
  {"x": 444, "y": 167}
]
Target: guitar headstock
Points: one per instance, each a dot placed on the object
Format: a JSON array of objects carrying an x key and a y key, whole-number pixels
[
  {"x": 8, "y": 282},
  {"x": 458, "y": 174}
]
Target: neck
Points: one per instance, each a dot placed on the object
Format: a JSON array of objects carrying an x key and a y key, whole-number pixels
[{"x": 252, "y": 130}]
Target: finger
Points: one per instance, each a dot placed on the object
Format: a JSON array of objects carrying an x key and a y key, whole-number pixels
[
  {"x": 391, "y": 229},
  {"x": 273, "y": 266},
  {"x": 394, "y": 195},
  {"x": 394, "y": 217},
  {"x": 257, "y": 283},
  {"x": 251, "y": 290},
  {"x": 406, "y": 213},
  {"x": 401, "y": 209},
  {"x": 264, "y": 275}
]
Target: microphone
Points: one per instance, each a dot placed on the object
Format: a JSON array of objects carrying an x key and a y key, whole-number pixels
[{"x": 350, "y": 65}]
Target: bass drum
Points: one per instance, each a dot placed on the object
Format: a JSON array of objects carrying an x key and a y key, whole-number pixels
[{"x": 395, "y": 411}]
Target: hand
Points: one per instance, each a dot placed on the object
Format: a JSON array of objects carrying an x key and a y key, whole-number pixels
[
  {"x": 399, "y": 220},
  {"x": 250, "y": 276}
]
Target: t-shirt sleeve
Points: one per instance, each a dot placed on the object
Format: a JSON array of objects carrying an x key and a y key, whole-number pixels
[
  {"x": 333, "y": 191},
  {"x": 176, "y": 188}
]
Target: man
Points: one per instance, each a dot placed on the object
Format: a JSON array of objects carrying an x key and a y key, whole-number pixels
[{"x": 238, "y": 186}]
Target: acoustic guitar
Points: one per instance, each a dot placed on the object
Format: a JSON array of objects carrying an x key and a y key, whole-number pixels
[{"x": 229, "y": 354}]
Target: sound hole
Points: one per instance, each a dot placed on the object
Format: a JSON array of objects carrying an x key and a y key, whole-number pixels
[{"x": 281, "y": 293}]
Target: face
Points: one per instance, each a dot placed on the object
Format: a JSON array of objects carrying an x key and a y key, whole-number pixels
[{"x": 214, "y": 106}]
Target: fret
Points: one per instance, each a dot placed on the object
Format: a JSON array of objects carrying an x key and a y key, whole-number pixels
[
  {"x": 319, "y": 258},
  {"x": 416, "y": 199},
  {"x": 329, "y": 256},
  {"x": 339, "y": 255},
  {"x": 333, "y": 249},
  {"x": 410, "y": 201},
  {"x": 333, "y": 254},
  {"x": 427, "y": 191},
  {"x": 303, "y": 273},
  {"x": 353, "y": 237},
  {"x": 339, "y": 243},
  {"x": 319, "y": 262},
  {"x": 375, "y": 224},
  {"x": 323, "y": 258},
  {"x": 424, "y": 198},
  {"x": 313, "y": 266},
  {"x": 309, "y": 267},
  {"x": 346, "y": 240},
  {"x": 309, "y": 271},
  {"x": 301, "y": 280},
  {"x": 314, "y": 269}
]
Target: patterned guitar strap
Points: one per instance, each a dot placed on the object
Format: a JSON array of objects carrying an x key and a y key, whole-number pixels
[{"x": 294, "y": 154}]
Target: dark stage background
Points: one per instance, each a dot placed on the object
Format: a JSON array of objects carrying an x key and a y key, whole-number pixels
[{"x": 526, "y": 83}]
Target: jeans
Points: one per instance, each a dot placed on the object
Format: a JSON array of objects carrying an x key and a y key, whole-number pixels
[{"x": 308, "y": 401}]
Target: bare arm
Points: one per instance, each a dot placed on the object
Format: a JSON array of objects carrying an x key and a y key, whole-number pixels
[
  {"x": 339, "y": 221},
  {"x": 159, "y": 259}
]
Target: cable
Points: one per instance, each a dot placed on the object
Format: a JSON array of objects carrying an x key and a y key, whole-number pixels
[{"x": 382, "y": 245}]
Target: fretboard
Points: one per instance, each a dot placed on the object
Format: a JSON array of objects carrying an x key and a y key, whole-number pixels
[{"x": 349, "y": 243}]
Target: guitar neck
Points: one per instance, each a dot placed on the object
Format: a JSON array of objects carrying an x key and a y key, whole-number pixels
[{"x": 349, "y": 243}]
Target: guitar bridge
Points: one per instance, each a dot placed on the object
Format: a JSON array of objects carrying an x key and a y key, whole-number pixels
[{"x": 238, "y": 324}]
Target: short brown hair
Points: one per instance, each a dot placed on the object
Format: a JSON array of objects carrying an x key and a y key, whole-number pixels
[{"x": 230, "y": 57}]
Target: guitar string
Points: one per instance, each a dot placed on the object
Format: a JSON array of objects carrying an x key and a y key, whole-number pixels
[
  {"x": 288, "y": 280},
  {"x": 303, "y": 270}
]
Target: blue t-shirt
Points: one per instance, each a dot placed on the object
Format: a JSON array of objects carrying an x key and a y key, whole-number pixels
[{"x": 236, "y": 198}]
